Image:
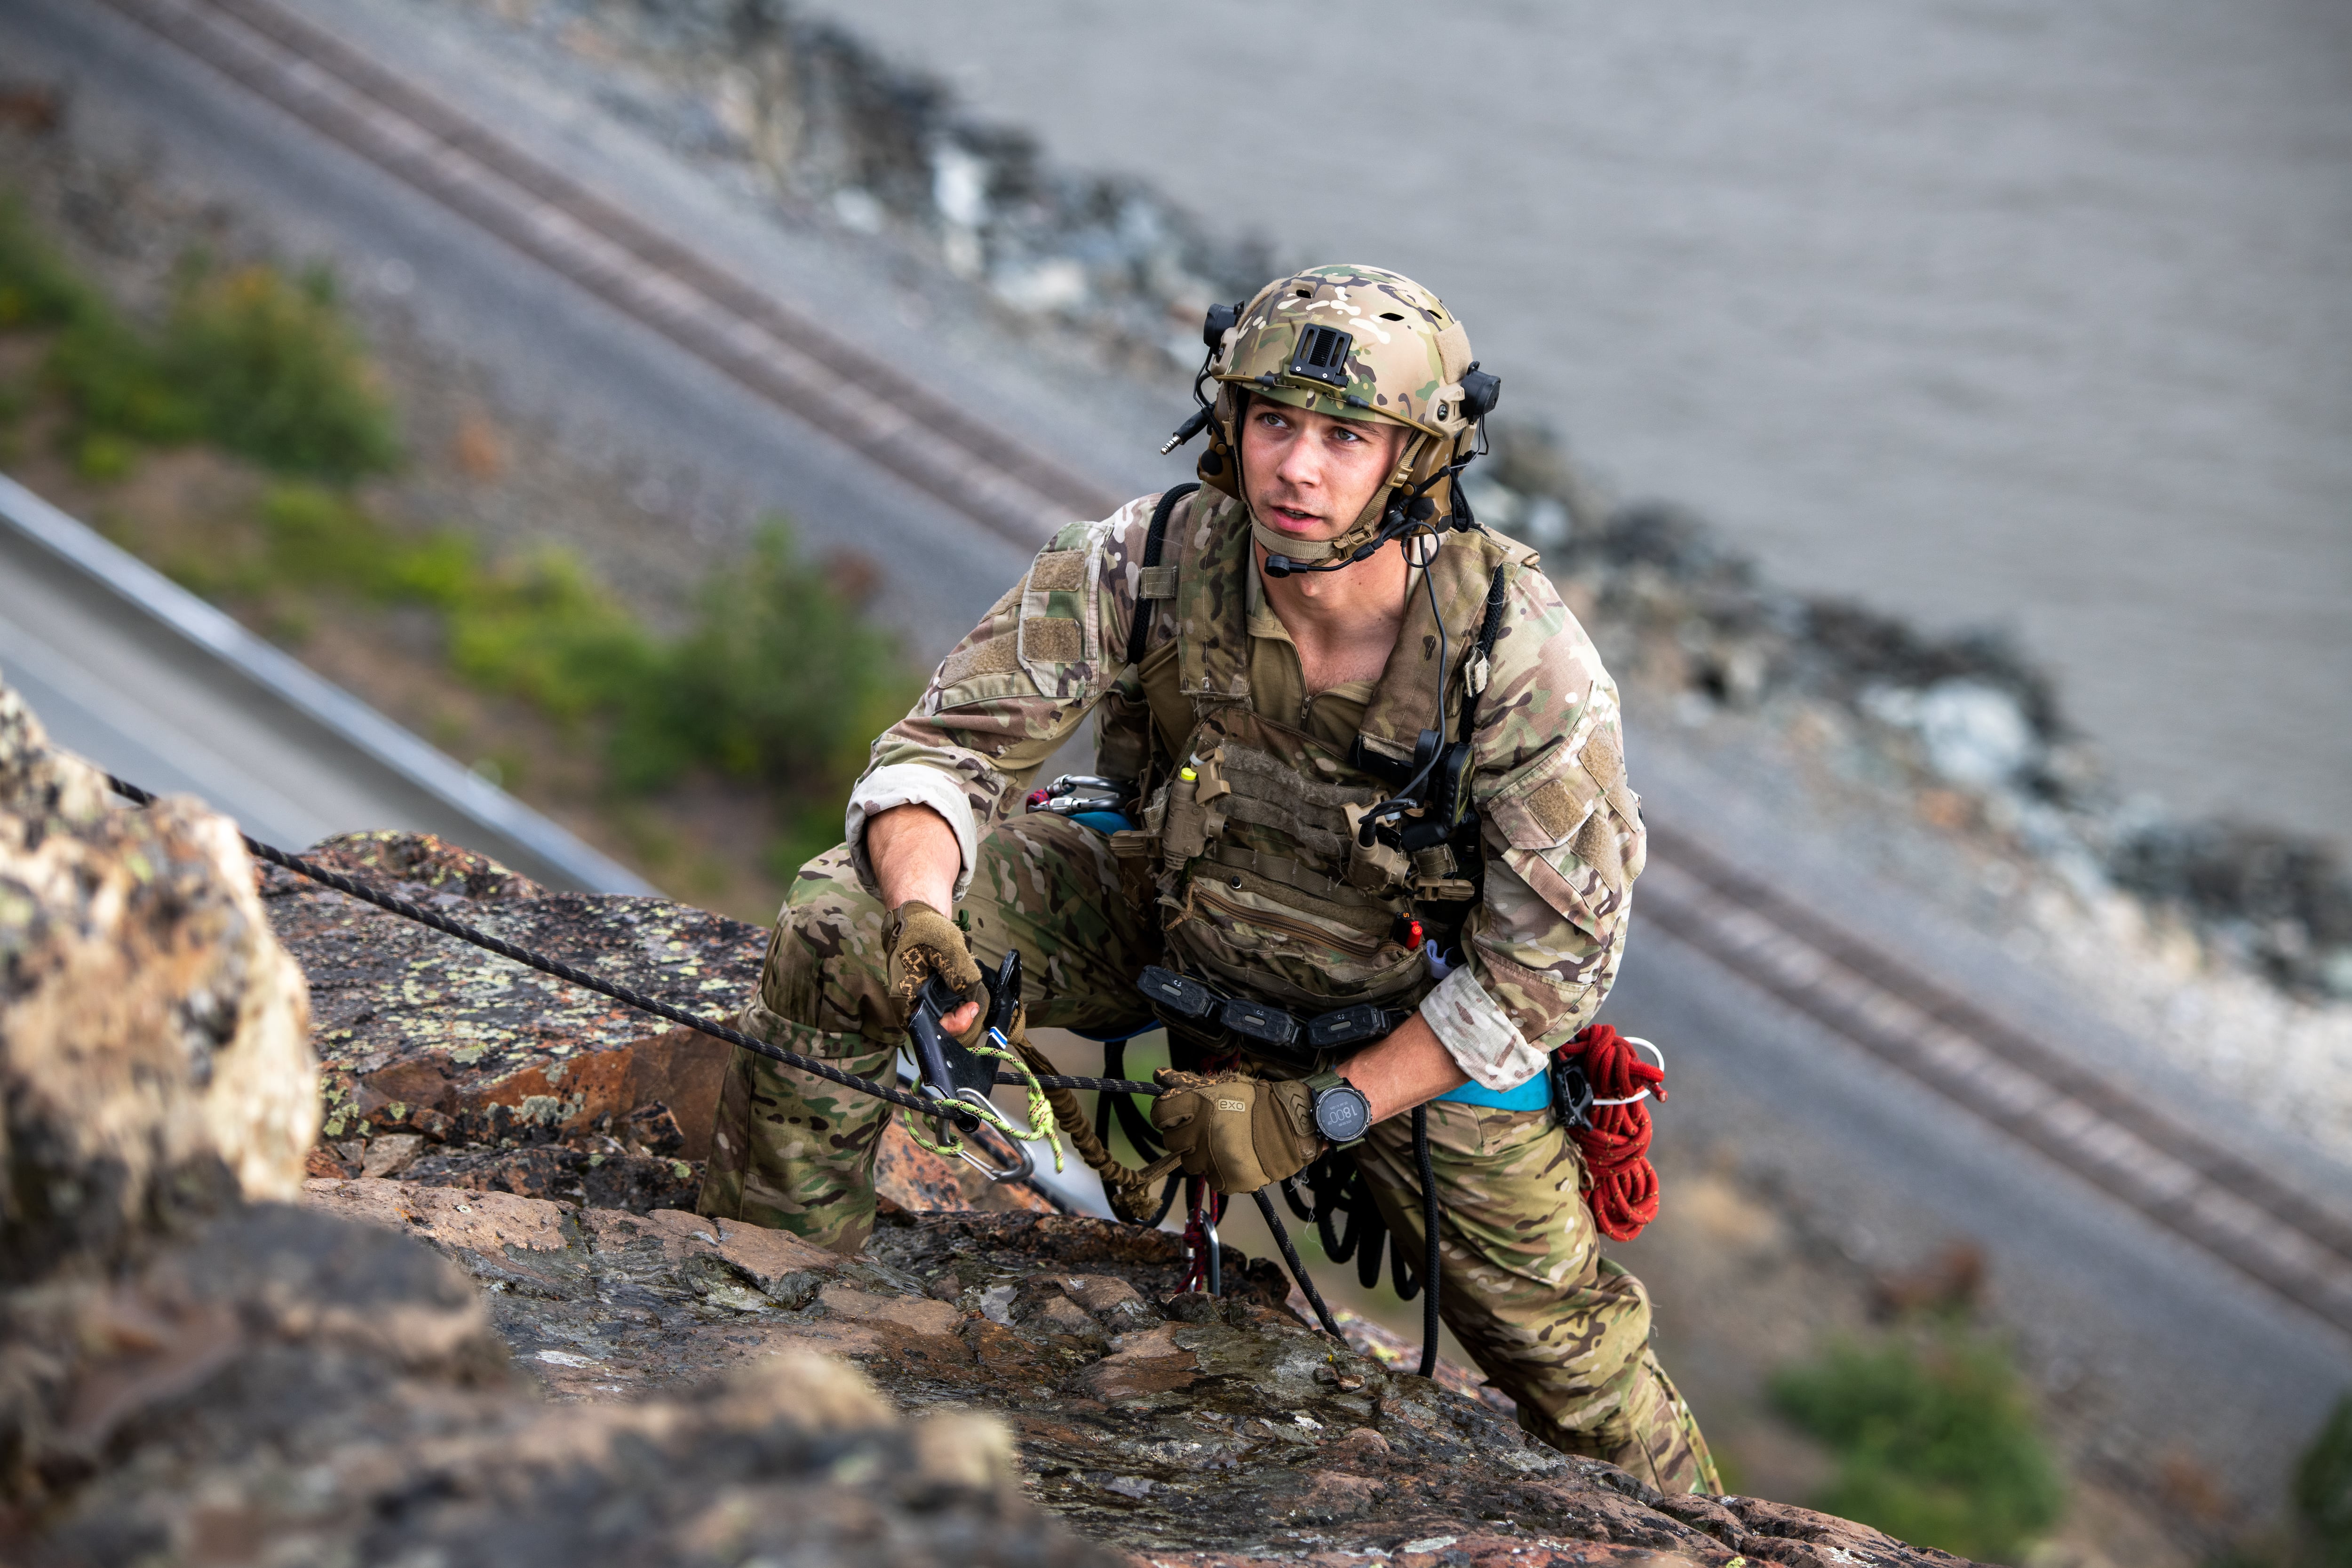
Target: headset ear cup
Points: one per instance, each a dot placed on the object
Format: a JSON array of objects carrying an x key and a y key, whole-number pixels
[
  {"x": 1217, "y": 326},
  {"x": 1480, "y": 392},
  {"x": 1219, "y": 468}
]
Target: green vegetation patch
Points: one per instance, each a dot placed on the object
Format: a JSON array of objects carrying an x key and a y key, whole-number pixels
[
  {"x": 276, "y": 374},
  {"x": 247, "y": 359},
  {"x": 1937, "y": 1443},
  {"x": 2323, "y": 1490},
  {"x": 780, "y": 682},
  {"x": 36, "y": 288}
]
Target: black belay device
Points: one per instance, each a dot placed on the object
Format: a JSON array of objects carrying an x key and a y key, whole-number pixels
[{"x": 953, "y": 1072}]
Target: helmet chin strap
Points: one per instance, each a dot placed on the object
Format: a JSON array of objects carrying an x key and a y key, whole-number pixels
[{"x": 1277, "y": 542}]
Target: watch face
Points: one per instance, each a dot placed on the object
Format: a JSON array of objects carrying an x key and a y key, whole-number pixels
[{"x": 1341, "y": 1113}]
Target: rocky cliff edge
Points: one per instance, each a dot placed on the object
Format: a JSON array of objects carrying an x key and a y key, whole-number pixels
[{"x": 444, "y": 1369}]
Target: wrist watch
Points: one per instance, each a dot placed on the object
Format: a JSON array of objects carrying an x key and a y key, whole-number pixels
[{"x": 1341, "y": 1112}]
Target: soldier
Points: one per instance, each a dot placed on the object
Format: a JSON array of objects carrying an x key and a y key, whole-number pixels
[{"x": 1357, "y": 780}]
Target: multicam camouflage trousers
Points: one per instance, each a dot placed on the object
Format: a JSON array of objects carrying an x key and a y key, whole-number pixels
[{"x": 1561, "y": 1328}]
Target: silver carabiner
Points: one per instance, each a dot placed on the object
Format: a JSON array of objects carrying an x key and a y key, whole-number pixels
[{"x": 1023, "y": 1161}]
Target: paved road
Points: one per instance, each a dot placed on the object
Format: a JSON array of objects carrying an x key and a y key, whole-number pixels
[{"x": 2190, "y": 1357}]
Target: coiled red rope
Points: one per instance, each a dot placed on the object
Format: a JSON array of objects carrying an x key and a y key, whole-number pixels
[{"x": 1623, "y": 1190}]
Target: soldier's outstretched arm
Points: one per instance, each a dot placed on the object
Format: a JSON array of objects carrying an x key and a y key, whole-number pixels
[{"x": 1008, "y": 695}]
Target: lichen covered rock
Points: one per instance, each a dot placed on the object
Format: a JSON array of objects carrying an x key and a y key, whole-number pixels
[
  {"x": 153, "y": 1035},
  {"x": 289, "y": 1386},
  {"x": 190, "y": 1377},
  {"x": 1184, "y": 1428}
]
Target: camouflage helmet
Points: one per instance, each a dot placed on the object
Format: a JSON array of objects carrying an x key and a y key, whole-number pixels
[{"x": 1354, "y": 342}]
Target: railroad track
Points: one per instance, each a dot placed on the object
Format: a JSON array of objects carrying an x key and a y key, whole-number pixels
[
  {"x": 778, "y": 354},
  {"x": 2026, "y": 1088},
  {"x": 2233, "y": 1209}
]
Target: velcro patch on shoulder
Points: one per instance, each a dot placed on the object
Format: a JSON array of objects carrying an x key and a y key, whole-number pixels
[
  {"x": 1052, "y": 639},
  {"x": 994, "y": 657},
  {"x": 1555, "y": 810},
  {"x": 1605, "y": 758},
  {"x": 1543, "y": 803},
  {"x": 1598, "y": 845},
  {"x": 1058, "y": 571},
  {"x": 1156, "y": 583}
]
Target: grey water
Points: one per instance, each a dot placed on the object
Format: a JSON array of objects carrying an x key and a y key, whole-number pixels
[{"x": 1981, "y": 310}]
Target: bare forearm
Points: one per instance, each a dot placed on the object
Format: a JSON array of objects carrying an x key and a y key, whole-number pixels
[
  {"x": 915, "y": 856},
  {"x": 1408, "y": 1066}
]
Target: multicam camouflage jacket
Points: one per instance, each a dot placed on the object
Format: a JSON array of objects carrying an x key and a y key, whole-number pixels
[{"x": 1250, "y": 786}]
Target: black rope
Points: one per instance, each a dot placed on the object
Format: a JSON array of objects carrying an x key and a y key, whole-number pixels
[
  {"x": 1429, "y": 1224},
  {"x": 1297, "y": 1269},
  {"x": 1113, "y": 1061},
  {"x": 564, "y": 971},
  {"x": 1097, "y": 1085}
]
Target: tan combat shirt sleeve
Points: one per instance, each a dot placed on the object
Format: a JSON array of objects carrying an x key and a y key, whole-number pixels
[
  {"x": 1012, "y": 691},
  {"x": 1563, "y": 839}
]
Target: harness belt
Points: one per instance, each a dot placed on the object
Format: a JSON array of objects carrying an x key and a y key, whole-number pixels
[{"x": 1180, "y": 998}]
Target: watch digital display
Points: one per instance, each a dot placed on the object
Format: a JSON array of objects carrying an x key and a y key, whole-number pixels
[{"x": 1342, "y": 1113}]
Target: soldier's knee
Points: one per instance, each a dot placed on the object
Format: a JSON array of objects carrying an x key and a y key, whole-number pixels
[{"x": 824, "y": 966}]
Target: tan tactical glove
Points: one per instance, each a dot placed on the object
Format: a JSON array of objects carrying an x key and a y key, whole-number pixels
[
  {"x": 1241, "y": 1133},
  {"x": 924, "y": 943}
]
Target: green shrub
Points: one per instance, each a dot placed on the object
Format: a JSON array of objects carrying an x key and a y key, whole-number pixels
[
  {"x": 276, "y": 374},
  {"x": 544, "y": 630},
  {"x": 781, "y": 680},
  {"x": 321, "y": 538},
  {"x": 1937, "y": 1447},
  {"x": 36, "y": 288},
  {"x": 116, "y": 385},
  {"x": 261, "y": 364}
]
